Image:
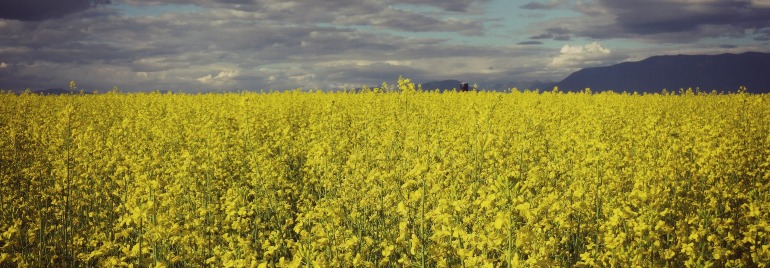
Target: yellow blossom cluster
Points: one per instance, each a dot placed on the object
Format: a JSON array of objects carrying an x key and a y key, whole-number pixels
[{"x": 385, "y": 178}]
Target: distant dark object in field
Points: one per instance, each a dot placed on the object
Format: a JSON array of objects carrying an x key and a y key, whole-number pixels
[{"x": 463, "y": 86}]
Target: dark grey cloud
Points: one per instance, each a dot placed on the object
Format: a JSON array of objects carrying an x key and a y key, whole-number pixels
[
  {"x": 230, "y": 48},
  {"x": 655, "y": 21},
  {"x": 542, "y": 36},
  {"x": 530, "y": 43},
  {"x": 650, "y": 17},
  {"x": 540, "y": 5},
  {"x": 304, "y": 6},
  {"x": 555, "y": 33},
  {"x": 671, "y": 21},
  {"x": 763, "y": 35},
  {"x": 558, "y": 30},
  {"x": 37, "y": 10},
  {"x": 448, "y": 5},
  {"x": 413, "y": 22},
  {"x": 384, "y": 14}
]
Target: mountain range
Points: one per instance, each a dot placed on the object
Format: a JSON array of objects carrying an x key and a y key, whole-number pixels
[
  {"x": 444, "y": 85},
  {"x": 723, "y": 73}
]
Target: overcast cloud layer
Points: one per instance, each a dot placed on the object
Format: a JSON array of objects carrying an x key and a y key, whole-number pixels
[{"x": 204, "y": 45}]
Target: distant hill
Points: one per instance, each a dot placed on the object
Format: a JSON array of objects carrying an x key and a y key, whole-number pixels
[
  {"x": 725, "y": 72},
  {"x": 448, "y": 85},
  {"x": 58, "y": 91},
  {"x": 542, "y": 86},
  {"x": 445, "y": 85}
]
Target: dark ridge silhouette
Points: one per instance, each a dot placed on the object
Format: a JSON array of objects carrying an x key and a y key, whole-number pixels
[
  {"x": 538, "y": 85},
  {"x": 58, "y": 91},
  {"x": 443, "y": 85},
  {"x": 724, "y": 72}
]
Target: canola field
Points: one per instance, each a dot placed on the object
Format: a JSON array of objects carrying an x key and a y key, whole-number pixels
[{"x": 385, "y": 179}]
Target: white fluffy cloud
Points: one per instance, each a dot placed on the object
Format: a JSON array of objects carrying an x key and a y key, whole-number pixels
[
  {"x": 594, "y": 47},
  {"x": 593, "y": 54},
  {"x": 223, "y": 78}
]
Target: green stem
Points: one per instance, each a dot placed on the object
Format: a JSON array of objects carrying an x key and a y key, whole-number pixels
[{"x": 422, "y": 226}]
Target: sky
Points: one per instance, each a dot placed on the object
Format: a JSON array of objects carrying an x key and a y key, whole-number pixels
[{"x": 204, "y": 45}]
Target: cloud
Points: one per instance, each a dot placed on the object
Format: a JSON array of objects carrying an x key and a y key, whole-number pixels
[
  {"x": 555, "y": 33},
  {"x": 448, "y": 5},
  {"x": 542, "y": 36},
  {"x": 589, "y": 55},
  {"x": 760, "y": 3},
  {"x": 222, "y": 78},
  {"x": 669, "y": 21},
  {"x": 763, "y": 35},
  {"x": 381, "y": 14},
  {"x": 218, "y": 48},
  {"x": 530, "y": 43},
  {"x": 391, "y": 14},
  {"x": 593, "y": 48},
  {"x": 367, "y": 73},
  {"x": 342, "y": 6},
  {"x": 37, "y": 10},
  {"x": 557, "y": 30},
  {"x": 256, "y": 44},
  {"x": 695, "y": 19},
  {"x": 409, "y": 21},
  {"x": 537, "y": 5}
]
